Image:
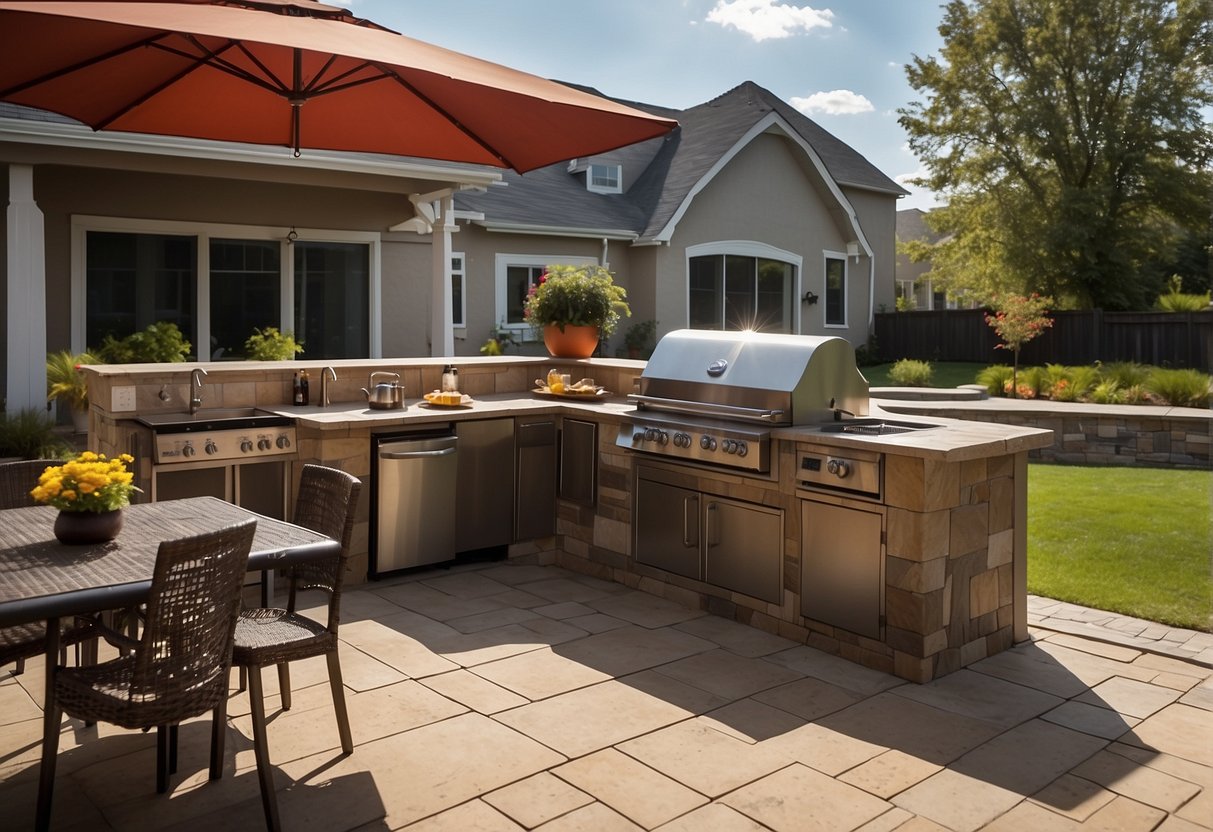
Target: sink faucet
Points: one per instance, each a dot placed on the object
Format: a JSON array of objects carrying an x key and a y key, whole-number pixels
[
  {"x": 326, "y": 374},
  {"x": 196, "y": 376},
  {"x": 838, "y": 411}
]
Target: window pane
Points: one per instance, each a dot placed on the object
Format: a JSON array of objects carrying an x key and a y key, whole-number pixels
[
  {"x": 332, "y": 299},
  {"x": 776, "y": 280},
  {"x": 457, "y": 291},
  {"x": 518, "y": 281},
  {"x": 246, "y": 291},
  {"x": 135, "y": 280},
  {"x": 738, "y": 292},
  {"x": 706, "y": 287},
  {"x": 836, "y": 288}
]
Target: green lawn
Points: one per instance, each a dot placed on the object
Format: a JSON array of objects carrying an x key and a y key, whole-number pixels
[
  {"x": 947, "y": 374},
  {"x": 1131, "y": 540}
]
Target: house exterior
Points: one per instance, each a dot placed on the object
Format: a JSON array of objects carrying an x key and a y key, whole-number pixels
[
  {"x": 747, "y": 215},
  {"x": 915, "y": 289}
]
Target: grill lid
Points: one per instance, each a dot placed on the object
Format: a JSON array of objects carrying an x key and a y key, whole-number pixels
[{"x": 753, "y": 376}]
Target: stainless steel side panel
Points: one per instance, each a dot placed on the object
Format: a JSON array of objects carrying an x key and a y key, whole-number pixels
[
  {"x": 841, "y": 578},
  {"x": 535, "y": 502},
  {"x": 484, "y": 503},
  {"x": 416, "y": 506}
]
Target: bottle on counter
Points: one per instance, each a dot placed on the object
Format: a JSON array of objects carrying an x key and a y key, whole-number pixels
[
  {"x": 303, "y": 383},
  {"x": 297, "y": 390},
  {"x": 450, "y": 379}
]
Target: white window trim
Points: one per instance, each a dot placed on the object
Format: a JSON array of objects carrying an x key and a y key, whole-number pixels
[
  {"x": 846, "y": 289},
  {"x": 603, "y": 189},
  {"x": 461, "y": 329},
  {"x": 523, "y": 331},
  {"x": 204, "y": 232},
  {"x": 744, "y": 248}
]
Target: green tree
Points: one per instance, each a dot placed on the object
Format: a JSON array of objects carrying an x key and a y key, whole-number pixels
[{"x": 1068, "y": 140}]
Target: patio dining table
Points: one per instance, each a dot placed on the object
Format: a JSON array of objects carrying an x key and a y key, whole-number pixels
[{"x": 43, "y": 579}]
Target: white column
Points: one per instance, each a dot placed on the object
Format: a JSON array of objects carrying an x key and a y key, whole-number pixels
[
  {"x": 26, "y": 278},
  {"x": 442, "y": 335}
]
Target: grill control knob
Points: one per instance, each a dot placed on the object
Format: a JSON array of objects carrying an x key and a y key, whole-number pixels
[
  {"x": 211, "y": 448},
  {"x": 663, "y": 438},
  {"x": 638, "y": 436},
  {"x": 246, "y": 446},
  {"x": 650, "y": 434},
  {"x": 742, "y": 448},
  {"x": 188, "y": 450},
  {"x": 284, "y": 441},
  {"x": 839, "y": 468},
  {"x": 264, "y": 444},
  {"x": 707, "y": 443}
]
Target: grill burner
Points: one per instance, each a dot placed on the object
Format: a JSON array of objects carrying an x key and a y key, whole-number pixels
[
  {"x": 710, "y": 396},
  {"x": 866, "y": 428}
]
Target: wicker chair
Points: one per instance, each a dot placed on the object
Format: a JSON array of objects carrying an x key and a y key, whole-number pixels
[
  {"x": 179, "y": 668},
  {"x": 24, "y": 641},
  {"x": 327, "y": 501}
]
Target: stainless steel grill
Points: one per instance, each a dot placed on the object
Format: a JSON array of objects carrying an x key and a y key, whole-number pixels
[{"x": 713, "y": 397}]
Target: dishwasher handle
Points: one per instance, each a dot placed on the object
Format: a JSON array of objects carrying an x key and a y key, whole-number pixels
[{"x": 416, "y": 454}]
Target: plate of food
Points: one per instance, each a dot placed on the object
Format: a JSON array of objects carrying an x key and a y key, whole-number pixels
[
  {"x": 436, "y": 398},
  {"x": 583, "y": 389}
]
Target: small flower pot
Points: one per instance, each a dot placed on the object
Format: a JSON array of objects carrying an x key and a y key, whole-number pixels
[{"x": 77, "y": 528}]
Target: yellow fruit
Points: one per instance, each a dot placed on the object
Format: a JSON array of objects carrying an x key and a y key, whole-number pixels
[{"x": 556, "y": 387}]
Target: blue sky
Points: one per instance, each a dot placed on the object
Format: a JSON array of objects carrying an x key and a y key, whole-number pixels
[{"x": 840, "y": 62}]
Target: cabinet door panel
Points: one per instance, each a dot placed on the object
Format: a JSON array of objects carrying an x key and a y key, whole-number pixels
[
  {"x": 666, "y": 523},
  {"x": 841, "y": 576},
  {"x": 743, "y": 548}
]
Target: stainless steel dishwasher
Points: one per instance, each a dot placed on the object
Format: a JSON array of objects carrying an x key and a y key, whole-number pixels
[{"x": 414, "y": 501}]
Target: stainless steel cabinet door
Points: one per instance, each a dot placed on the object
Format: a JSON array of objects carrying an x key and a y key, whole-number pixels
[
  {"x": 484, "y": 494},
  {"x": 666, "y": 528},
  {"x": 743, "y": 547},
  {"x": 840, "y": 572}
]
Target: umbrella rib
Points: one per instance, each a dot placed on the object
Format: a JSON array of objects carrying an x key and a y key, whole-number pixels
[
  {"x": 68, "y": 70},
  {"x": 447, "y": 114}
]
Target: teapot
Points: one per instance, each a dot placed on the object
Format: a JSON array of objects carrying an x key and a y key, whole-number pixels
[{"x": 384, "y": 395}]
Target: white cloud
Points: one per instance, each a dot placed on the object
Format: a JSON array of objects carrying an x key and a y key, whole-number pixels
[
  {"x": 763, "y": 19},
  {"x": 835, "y": 103}
]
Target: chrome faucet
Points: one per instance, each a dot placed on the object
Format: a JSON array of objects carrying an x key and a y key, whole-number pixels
[
  {"x": 325, "y": 375},
  {"x": 196, "y": 376}
]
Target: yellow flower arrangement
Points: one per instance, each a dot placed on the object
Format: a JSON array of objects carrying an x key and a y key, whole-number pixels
[{"x": 90, "y": 482}]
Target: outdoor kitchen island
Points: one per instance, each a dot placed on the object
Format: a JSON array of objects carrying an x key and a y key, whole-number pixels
[{"x": 936, "y": 579}]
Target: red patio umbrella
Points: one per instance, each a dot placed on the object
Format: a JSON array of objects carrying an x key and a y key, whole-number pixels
[{"x": 298, "y": 74}]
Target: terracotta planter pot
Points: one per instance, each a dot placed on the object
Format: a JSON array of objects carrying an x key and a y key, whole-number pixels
[
  {"x": 574, "y": 342},
  {"x": 85, "y": 527}
]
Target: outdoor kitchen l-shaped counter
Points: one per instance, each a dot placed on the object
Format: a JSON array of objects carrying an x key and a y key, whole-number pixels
[{"x": 916, "y": 565}]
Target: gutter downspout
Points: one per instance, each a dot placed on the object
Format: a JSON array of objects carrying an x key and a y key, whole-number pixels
[{"x": 871, "y": 293}]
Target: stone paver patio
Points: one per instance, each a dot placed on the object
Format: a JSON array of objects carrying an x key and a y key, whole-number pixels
[{"x": 510, "y": 696}]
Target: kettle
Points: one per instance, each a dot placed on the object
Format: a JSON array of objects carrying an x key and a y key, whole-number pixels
[{"x": 384, "y": 396}]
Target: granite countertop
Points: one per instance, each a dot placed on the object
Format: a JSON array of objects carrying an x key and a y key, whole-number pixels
[{"x": 948, "y": 439}]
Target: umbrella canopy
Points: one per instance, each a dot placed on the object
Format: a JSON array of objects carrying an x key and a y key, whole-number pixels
[{"x": 298, "y": 74}]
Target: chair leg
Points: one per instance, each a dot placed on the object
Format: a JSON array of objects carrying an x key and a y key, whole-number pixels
[
  {"x": 243, "y": 678},
  {"x": 218, "y": 738},
  {"x": 172, "y": 748},
  {"x": 162, "y": 743},
  {"x": 343, "y": 715},
  {"x": 269, "y": 800},
  {"x": 50, "y": 753},
  {"x": 284, "y": 684},
  {"x": 20, "y": 668}
]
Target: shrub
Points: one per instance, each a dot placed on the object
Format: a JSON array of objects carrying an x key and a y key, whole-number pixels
[
  {"x": 911, "y": 373},
  {"x": 1176, "y": 301},
  {"x": 64, "y": 382},
  {"x": 995, "y": 379},
  {"x": 271, "y": 345},
  {"x": 1068, "y": 384},
  {"x": 160, "y": 343},
  {"x": 1124, "y": 373},
  {"x": 1179, "y": 388},
  {"x": 1107, "y": 392},
  {"x": 30, "y": 434}
]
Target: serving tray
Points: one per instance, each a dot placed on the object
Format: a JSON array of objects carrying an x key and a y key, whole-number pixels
[{"x": 546, "y": 392}]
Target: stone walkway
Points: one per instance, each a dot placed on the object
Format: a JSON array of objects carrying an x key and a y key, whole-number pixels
[{"x": 512, "y": 697}]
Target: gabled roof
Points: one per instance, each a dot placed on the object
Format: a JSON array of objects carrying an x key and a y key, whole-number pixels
[
  {"x": 912, "y": 225},
  {"x": 674, "y": 166}
]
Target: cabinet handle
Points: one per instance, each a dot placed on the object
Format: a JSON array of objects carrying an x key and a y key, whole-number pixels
[
  {"x": 686, "y": 526},
  {"x": 713, "y": 539}
]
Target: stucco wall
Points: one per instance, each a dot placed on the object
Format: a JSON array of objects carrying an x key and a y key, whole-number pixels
[{"x": 878, "y": 218}]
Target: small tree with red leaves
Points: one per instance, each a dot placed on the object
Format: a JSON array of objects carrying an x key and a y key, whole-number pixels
[{"x": 1017, "y": 320}]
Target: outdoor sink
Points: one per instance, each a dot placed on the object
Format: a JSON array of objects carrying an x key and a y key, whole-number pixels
[
  {"x": 874, "y": 427},
  {"x": 211, "y": 419}
]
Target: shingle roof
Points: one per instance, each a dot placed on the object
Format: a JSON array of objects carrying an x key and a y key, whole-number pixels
[{"x": 552, "y": 196}]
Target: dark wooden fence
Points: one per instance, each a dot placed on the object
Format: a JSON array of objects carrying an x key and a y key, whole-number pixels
[{"x": 1165, "y": 339}]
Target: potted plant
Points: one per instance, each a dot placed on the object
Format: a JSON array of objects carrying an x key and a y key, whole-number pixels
[
  {"x": 90, "y": 492},
  {"x": 640, "y": 339},
  {"x": 271, "y": 345},
  {"x": 67, "y": 385},
  {"x": 575, "y": 306}
]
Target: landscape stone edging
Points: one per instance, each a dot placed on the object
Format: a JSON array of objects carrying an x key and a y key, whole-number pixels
[{"x": 1089, "y": 434}]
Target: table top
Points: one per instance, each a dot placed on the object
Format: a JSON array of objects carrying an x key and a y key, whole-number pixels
[{"x": 41, "y": 577}]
